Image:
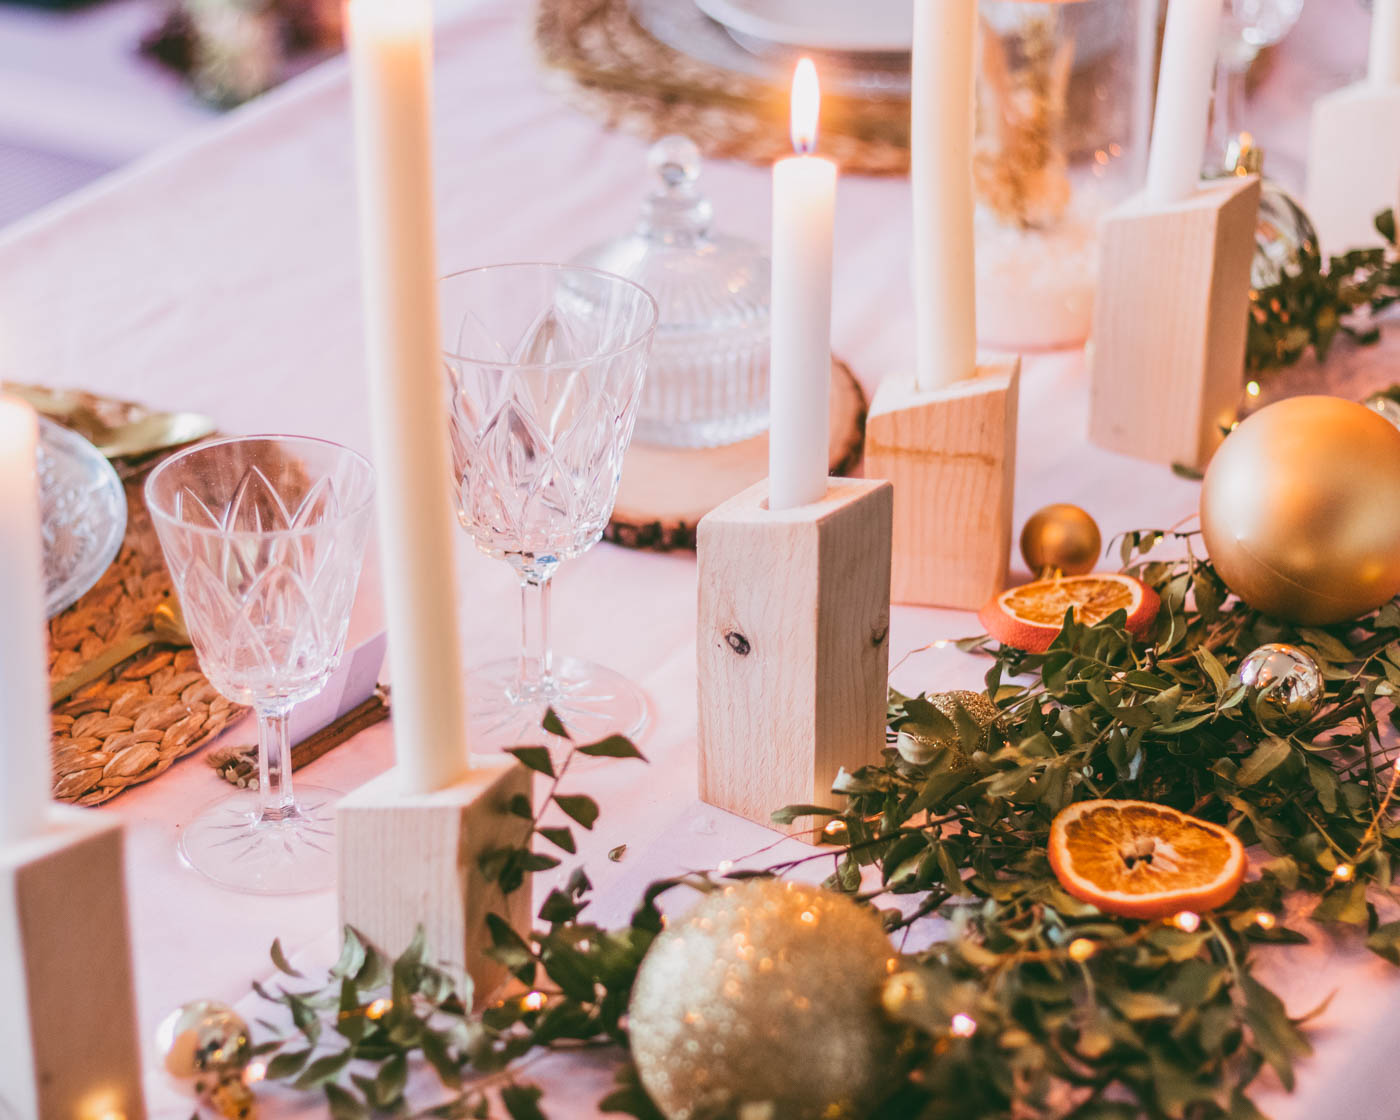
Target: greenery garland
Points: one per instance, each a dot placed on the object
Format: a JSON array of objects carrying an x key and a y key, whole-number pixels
[
  {"x": 1311, "y": 304},
  {"x": 1074, "y": 1013}
]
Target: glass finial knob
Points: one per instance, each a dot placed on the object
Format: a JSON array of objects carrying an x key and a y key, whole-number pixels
[{"x": 676, "y": 159}]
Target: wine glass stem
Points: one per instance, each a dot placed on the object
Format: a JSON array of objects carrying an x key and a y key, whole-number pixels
[
  {"x": 536, "y": 653},
  {"x": 274, "y": 764}
]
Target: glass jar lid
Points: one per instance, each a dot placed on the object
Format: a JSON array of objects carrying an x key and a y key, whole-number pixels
[{"x": 703, "y": 282}]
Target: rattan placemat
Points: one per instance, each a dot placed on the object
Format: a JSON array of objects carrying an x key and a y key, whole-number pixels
[
  {"x": 599, "y": 57},
  {"x": 129, "y": 725}
]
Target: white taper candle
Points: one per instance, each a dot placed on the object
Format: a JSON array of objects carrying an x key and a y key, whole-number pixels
[
  {"x": 1384, "y": 69},
  {"x": 24, "y": 677},
  {"x": 391, "y": 63},
  {"x": 804, "y": 210},
  {"x": 941, "y": 131},
  {"x": 1189, "y": 48}
]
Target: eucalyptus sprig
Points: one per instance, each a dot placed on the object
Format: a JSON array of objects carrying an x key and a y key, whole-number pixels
[{"x": 1312, "y": 304}]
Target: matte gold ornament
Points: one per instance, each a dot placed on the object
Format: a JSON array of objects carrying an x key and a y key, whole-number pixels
[
  {"x": 1300, "y": 510},
  {"x": 766, "y": 995},
  {"x": 1061, "y": 536},
  {"x": 918, "y": 744},
  {"x": 202, "y": 1044},
  {"x": 1283, "y": 685}
]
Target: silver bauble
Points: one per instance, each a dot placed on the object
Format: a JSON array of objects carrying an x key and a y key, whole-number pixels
[
  {"x": 1283, "y": 230},
  {"x": 766, "y": 995},
  {"x": 1283, "y": 685},
  {"x": 203, "y": 1043}
]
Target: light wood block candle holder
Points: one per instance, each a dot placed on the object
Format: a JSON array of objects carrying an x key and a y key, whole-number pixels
[
  {"x": 412, "y": 859},
  {"x": 68, "y": 1043},
  {"x": 1353, "y": 164},
  {"x": 793, "y": 645},
  {"x": 951, "y": 454},
  {"x": 1170, "y": 322}
]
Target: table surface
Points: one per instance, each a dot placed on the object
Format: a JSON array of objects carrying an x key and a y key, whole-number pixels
[{"x": 222, "y": 276}]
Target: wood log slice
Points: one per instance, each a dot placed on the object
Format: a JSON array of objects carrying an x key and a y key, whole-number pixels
[{"x": 666, "y": 490}]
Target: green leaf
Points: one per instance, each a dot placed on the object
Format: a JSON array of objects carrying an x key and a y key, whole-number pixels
[
  {"x": 280, "y": 962},
  {"x": 1267, "y": 757},
  {"x": 578, "y": 807},
  {"x": 343, "y": 1105},
  {"x": 323, "y": 1069},
  {"x": 614, "y": 746},
  {"x": 522, "y": 1102},
  {"x": 286, "y": 1064},
  {"x": 554, "y": 726},
  {"x": 560, "y": 838},
  {"x": 534, "y": 758},
  {"x": 389, "y": 1082},
  {"x": 1384, "y": 941}
]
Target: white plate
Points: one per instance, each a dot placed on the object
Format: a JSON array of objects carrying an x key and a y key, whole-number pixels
[{"x": 881, "y": 26}]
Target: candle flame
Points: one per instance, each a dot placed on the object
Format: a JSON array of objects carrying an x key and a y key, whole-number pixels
[{"x": 806, "y": 106}]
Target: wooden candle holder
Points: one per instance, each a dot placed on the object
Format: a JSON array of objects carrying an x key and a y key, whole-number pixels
[
  {"x": 1353, "y": 164},
  {"x": 951, "y": 454},
  {"x": 68, "y": 1044},
  {"x": 1167, "y": 358},
  {"x": 793, "y": 645},
  {"x": 410, "y": 860}
]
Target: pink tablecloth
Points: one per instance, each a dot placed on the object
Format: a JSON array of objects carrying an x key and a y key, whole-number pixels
[{"x": 222, "y": 277}]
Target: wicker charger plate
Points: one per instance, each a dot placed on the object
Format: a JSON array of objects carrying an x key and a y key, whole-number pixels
[
  {"x": 605, "y": 63},
  {"x": 128, "y": 726}
]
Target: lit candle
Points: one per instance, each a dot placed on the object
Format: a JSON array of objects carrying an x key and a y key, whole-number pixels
[
  {"x": 391, "y": 58},
  {"x": 24, "y": 678},
  {"x": 941, "y": 128},
  {"x": 1189, "y": 47},
  {"x": 1385, "y": 43},
  {"x": 804, "y": 208}
]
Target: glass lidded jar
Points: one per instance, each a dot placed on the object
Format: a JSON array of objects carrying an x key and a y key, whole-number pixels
[
  {"x": 1064, "y": 104},
  {"x": 707, "y": 383}
]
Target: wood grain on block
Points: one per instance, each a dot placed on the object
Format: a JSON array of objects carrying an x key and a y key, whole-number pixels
[
  {"x": 793, "y": 645},
  {"x": 1167, "y": 360},
  {"x": 1353, "y": 165},
  {"x": 411, "y": 860},
  {"x": 68, "y": 1040},
  {"x": 665, "y": 491},
  {"x": 951, "y": 455}
]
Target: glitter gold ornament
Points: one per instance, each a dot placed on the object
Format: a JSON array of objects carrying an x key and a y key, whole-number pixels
[
  {"x": 202, "y": 1044},
  {"x": 918, "y": 744},
  {"x": 1061, "y": 536},
  {"x": 1300, "y": 510},
  {"x": 766, "y": 995}
]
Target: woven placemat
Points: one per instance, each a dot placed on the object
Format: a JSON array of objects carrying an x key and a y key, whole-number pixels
[
  {"x": 605, "y": 63},
  {"x": 129, "y": 725}
]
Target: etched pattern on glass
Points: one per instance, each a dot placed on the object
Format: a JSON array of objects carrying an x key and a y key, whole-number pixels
[
  {"x": 537, "y": 448},
  {"x": 82, "y": 514}
]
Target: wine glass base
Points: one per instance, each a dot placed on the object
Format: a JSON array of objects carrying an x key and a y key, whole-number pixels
[
  {"x": 592, "y": 701},
  {"x": 228, "y": 843}
]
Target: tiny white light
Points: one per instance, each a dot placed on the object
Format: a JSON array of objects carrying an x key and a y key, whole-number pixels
[
  {"x": 963, "y": 1026},
  {"x": 1188, "y": 921}
]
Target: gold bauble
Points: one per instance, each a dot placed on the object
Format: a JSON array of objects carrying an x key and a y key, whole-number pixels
[
  {"x": 918, "y": 743},
  {"x": 1300, "y": 510},
  {"x": 1061, "y": 536},
  {"x": 766, "y": 994}
]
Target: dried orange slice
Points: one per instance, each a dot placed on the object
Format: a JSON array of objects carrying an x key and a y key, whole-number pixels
[
  {"x": 1141, "y": 860},
  {"x": 1030, "y": 616}
]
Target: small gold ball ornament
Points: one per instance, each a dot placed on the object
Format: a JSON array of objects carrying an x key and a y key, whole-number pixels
[
  {"x": 203, "y": 1043},
  {"x": 767, "y": 995},
  {"x": 1061, "y": 536},
  {"x": 1300, "y": 510}
]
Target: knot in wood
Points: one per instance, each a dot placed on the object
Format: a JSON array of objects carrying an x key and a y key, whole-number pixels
[
  {"x": 737, "y": 642},
  {"x": 879, "y": 634}
]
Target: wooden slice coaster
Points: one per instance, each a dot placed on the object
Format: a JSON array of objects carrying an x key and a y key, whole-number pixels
[{"x": 666, "y": 490}]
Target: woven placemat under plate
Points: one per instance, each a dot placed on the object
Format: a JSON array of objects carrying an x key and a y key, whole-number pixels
[
  {"x": 128, "y": 726},
  {"x": 605, "y": 63}
]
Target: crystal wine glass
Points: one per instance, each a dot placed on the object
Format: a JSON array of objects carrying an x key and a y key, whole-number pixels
[
  {"x": 545, "y": 364},
  {"x": 1247, "y": 28},
  {"x": 264, "y": 536}
]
